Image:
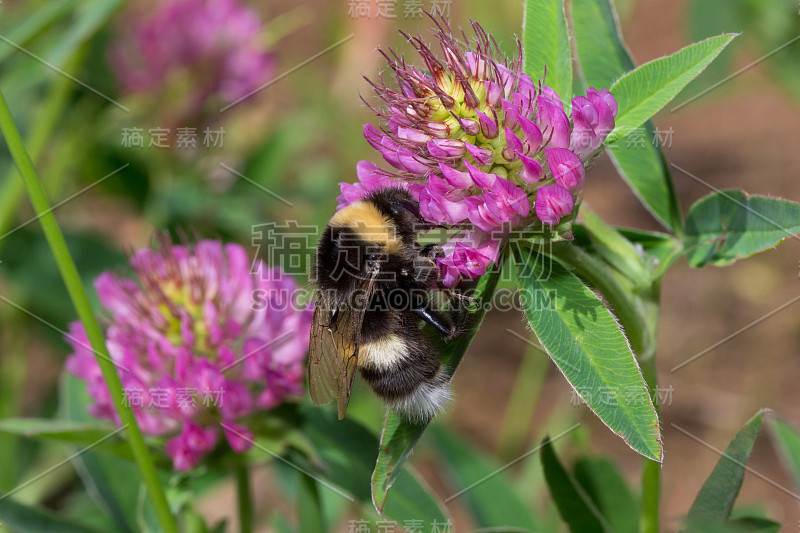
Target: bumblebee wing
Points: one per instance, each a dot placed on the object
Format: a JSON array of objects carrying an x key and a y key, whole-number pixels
[
  {"x": 334, "y": 354},
  {"x": 323, "y": 365},
  {"x": 335, "y": 337}
]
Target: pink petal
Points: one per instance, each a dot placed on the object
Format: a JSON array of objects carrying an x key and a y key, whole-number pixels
[
  {"x": 510, "y": 114},
  {"x": 488, "y": 126},
  {"x": 482, "y": 179},
  {"x": 513, "y": 145},
  {"x": 552, "y": 203},
  {"x": 566, "y": 167},
  {"x": 531, "y": 169},
  {"x": 446, "y": 148},
  {"x": 553, "y": 123},
  {"x": 456, "y": 178},
  {"x": 482, "y": 156},
  {"x": 533, "y": 136}
]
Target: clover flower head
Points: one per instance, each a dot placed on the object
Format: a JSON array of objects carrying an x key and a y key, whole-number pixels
[
  {"x": 483, "y": 148},
  {"x": 219, "y": 42},
  {"x": 201, "y": 341}
]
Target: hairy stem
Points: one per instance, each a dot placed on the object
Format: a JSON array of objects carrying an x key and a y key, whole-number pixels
[
  {"x": 244, "y": 496},
  {"x": 651, "y": 480},
  {"x": 72, "y": 280}
]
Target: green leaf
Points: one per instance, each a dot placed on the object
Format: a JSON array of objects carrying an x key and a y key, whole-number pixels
[
  {"x": 279, "y": 524},
  {"x": 729, "y": 225},
  {"x": 601, "y": 50},
  {"x": 63, "y": 430},
  {"x": 97, "y": 435},
  {"x": 574, "y": 505},
  {"x": 715, "y": 499},
  {"x": 492, "y": 501},
  {"x": 603, "y": 59},
  {"x": 309, "y": 506},
  {"x": 614, "y": 248},
  {"x": 745, "y": 524},
  {"x": 82, "y": 434},
  {"x": 712, "y": 17},
  {"x": 642, "y": 92},
  {"x": 18, "y": 517},
  {"x": 545, "y": 45},
  {"x": 644, "y": 167},
  {"x": 192, "y": 522},
  {"x": 399, "y": 436},
  {"x": 347, "y": 451},
  {"x": 32, "y": 23},
  {"x": 584, "y": 340},
  {"x": 113, "y": 483},
  {"x": 787, "y": 442},
  {"x": 604, "y": 484},
  {"x": 662, "y": 249},
  {"x": 756, "y": 524},
  {"x": 88, "y": 18}
]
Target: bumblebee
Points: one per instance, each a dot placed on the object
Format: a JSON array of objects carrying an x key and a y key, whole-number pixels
[{"x": 374, "y": 286}]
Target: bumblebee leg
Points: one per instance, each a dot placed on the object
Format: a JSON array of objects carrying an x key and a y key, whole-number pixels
[
  {"x": 432, "y": 251},
  {"x": 442, "y": 322},
  {"x": 425, "y": 270}
]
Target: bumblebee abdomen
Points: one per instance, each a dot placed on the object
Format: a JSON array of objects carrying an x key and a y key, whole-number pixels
[
  {"x": 405, "y": 371},
  {"x": 383, "y": 354}
]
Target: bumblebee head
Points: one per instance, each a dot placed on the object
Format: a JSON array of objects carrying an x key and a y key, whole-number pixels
[{"x": 402, "y": 209}]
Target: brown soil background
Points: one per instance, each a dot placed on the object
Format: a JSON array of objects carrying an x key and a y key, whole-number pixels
[{"x": 741, "y": 135}]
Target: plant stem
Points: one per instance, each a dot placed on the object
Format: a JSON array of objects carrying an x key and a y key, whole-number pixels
[
  {"x": 13, "y": 369},
  {"x": 244, "y": 496},
  {"x": 651, "y": 470},
  {"x": 80, "y": 301}
]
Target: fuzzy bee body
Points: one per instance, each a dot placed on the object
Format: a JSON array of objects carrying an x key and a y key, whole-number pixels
[{"x": 373, "y": 280}]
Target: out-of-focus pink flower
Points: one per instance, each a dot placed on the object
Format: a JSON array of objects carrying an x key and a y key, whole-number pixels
[
  {"x": 218, "y": 44},
  {"x": 200, "y": 339},
  {"x": 475, "y": 139}
]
